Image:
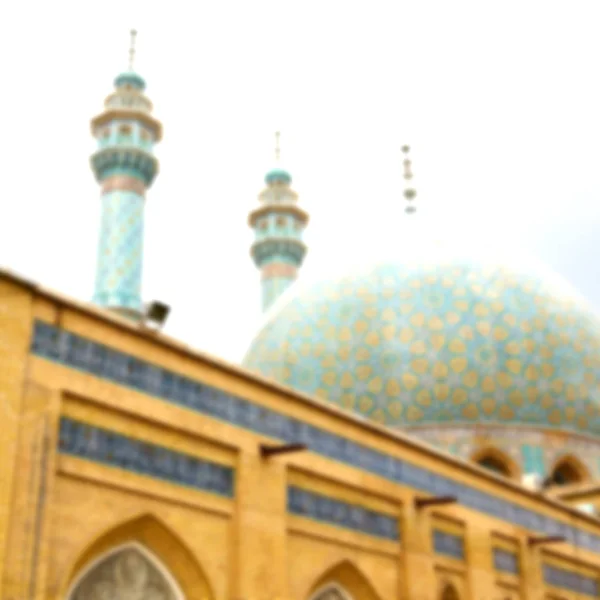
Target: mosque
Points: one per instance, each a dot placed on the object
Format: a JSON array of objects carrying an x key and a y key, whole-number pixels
[{"x": 422, "y": 427}]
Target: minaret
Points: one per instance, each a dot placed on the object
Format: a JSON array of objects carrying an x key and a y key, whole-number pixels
[
  {"x": 278, "y": 224},
  {"x": 124, "y": 165}
]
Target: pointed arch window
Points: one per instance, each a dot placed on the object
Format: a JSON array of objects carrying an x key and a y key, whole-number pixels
[
  {"x": 568, "y": 471},
  {"x": 496, "y": 461},
  {"x": 331, "y": 592},
  {"x": 493, "y": 463},
  {"x": 449, "y": 593},
  {"x": 129, "y": 571}
]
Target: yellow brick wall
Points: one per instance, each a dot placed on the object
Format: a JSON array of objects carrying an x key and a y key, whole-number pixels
[
  {"x": 61, "y": 513},
  {"x": 316, "y": 560},
  {"x": 588, "y": 495},
  {"x": 15, "y": 323},
  {"x": 90, "y": 518},
  {"x": 32, "y": 488}
]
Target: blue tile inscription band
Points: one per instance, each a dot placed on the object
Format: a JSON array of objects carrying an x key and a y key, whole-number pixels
[
  {"x": 335, "y": 512},
  {"x": 100, "y": 445},
  {"x": 448, "y": 544},
  {"x": 506, "y": 561},
  {"x": 572, "y": 581},
  {"x": 74, "y": 351}
]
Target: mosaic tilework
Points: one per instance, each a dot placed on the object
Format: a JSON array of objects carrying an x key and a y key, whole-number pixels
[
  {"x": 96, "y": 359},
  {"x": 572, "y": 581},
  {"x": 335, "y": 512},
  {"x": 119, "y": 271},
  {"x": 448, "y": 343},
  {"x": 536, "y": 451},
  {"x": 448, "y": 544},
  {"x": 506, "y": 561},
  {"x": 110, "y": 448}
]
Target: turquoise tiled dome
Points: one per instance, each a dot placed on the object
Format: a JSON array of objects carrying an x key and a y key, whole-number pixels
[
  {"x": 437, "y": 343},
  {"x": 278, "y": 176},
  {"x": 130, "y": 78}
]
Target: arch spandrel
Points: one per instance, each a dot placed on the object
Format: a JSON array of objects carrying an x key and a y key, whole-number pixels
[{"x": 343, "y": 581}]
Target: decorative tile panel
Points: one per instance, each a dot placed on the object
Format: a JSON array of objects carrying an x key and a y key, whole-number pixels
[
  {"x": 335, "y": 512},
  {"x": 116, "y": 450},
  {"x": 572, "y": 581},
  {"x": 96, "y": 359},
  {"x": 448, "y": 544},
  {"x": 506, "y": 561}
]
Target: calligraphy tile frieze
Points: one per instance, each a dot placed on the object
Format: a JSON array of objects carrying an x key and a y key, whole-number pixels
[
  {"x": 107, "y": 447},
  {"x": 322, "y": 508}
]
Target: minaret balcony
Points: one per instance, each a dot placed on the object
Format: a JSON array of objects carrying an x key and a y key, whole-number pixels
[
  {"x": 127, "y": 114},
  {"x": 263, "y": 250},
  {"x": 283, "y": 209},
  {"x": 131, "y": 160}
]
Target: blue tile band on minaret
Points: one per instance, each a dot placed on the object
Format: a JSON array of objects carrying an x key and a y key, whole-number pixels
[
  {"x": 278, "y": 224},
  {"x": 125, "y": 166}
]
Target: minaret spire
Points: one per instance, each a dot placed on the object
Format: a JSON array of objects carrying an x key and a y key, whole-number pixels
[
  {"x": 278, "y": 223},
  {"x": 133, "y": 34},
  {"x": 125, "y": 166},
  {"x": 277, "y": 146},
  {"x": 409, "y": 192}
]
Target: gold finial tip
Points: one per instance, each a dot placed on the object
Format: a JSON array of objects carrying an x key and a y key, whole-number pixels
[
  {"x": 133, "y": 33},
  {"x": 409, "y": 193},
  {"x": 277, "y": 148}
]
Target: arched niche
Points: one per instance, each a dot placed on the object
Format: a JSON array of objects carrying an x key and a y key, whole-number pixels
[
  {"x": 331, "y": 591},
  {"x": 449, "y": 593},
  {"x": 162, "y": 552},
  {"x": 343, "y": 581},
  {"x": 568, "y": 470},
  {"x": 128, "y": 571},
  {"x": 496, "y": 461}
]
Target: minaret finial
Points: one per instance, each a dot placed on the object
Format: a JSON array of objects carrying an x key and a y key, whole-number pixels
[
  {"x": 133, "y": 33},
  {"x": 409, "y": 193},
  {"x": 277, "y": 148}
]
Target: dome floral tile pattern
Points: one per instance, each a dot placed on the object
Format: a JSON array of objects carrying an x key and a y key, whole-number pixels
[{"x": 452, "y": 343}]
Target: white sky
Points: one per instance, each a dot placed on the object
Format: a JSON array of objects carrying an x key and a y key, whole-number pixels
[{"x": 499, "y": 101}]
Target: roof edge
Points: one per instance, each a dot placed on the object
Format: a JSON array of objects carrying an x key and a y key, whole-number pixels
[{"x": 394, "y": 436}]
